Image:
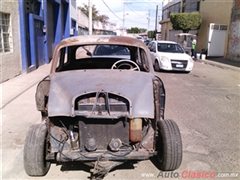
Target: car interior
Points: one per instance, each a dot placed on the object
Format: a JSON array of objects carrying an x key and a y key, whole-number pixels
[{"x": 102, "y": 57}]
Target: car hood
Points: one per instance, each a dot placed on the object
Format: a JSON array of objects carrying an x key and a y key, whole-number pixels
[
  {"x": 177, "y": 56},
  {"x": 136, "y": 87}
]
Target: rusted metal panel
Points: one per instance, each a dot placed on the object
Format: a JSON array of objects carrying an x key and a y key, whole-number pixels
[
  {"x": 134, "y": 155},
  {"x": 41, "y": 95},
  {"x": 65, "y": 88},
  {"x": 103, "y": 130}
]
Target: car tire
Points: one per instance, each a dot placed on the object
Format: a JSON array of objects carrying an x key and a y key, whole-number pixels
[
  {"x": 35, "y": 150},
  {"x": 169, "y": 145},
  {"x": 156, "y": 66}
]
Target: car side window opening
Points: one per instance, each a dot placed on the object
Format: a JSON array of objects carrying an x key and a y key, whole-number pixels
[
  {"x": 150, "y": 45},
  {"x": 63, "y": 58},
  {"x": 144, "y": 62},
  {"x": 154, "y": 47}
]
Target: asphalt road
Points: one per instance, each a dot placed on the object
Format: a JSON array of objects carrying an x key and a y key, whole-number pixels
[{"x": 205, "y": 104}]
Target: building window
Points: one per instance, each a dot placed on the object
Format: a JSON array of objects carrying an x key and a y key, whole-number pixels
[
  {"x": 190, "y": 6},
  {"x": 175, "y": 8},
  {"x": 165, "y": 14},
  {"x": 5, "y": 37}
]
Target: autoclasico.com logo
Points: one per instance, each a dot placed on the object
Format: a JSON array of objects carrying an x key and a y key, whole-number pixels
[{"x": 185, "y": 174}]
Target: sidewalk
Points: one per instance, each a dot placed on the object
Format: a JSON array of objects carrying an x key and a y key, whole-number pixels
[
  {"x": 221, "y": 63},
  {"x": 13, "y": 88}
]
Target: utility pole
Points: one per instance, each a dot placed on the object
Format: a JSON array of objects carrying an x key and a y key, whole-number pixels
[
  {"x": 156, "y": 22},
  {"x": 123, "y": 17},
  {"x": 123, "y": 28},
  {"x": 90, "y": 17},
  {"x": 148, "y": 20}
]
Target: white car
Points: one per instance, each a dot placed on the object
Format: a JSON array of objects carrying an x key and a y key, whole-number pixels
[{"x": 170, "y": 56}]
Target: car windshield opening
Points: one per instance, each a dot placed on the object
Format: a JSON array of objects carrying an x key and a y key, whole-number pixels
[
  {"x": 111, "y": 50},
  {"x": 170, "y": 48}
]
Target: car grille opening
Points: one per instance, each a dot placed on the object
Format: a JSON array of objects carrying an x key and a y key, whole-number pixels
[{"x": 101, "y": 104}]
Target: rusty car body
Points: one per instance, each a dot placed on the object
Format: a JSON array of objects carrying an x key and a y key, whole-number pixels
[{"x": 101, "y": 110}]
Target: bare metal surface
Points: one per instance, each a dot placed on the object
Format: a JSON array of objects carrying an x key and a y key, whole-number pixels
[{"x": 65, "y": 88}]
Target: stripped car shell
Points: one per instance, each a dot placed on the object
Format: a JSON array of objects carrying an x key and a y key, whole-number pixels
[{"x": 101, "y": 111}]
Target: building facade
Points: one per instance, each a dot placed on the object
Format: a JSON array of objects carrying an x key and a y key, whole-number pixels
[
  {"x": 10, "y": 54},
  {"x": 212, "y": 37},
  {"x": 234, "y": 34},
  {"x": 30, "y": 30},
  {"x": 98, "y": 28},
  {"x": 213, "y": 33}
]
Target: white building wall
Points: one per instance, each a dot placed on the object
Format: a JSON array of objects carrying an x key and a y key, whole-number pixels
[
  {"x": 10, "y": 62},
  {"x": 73, "y": 9},
  {"x": 82, "y": 19}
]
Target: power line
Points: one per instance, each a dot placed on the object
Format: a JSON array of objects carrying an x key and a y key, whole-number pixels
[
  {"x": 111, "y": 10},
  {"x": 135, "y": 12},
  {"x": 143, "y": 6}
]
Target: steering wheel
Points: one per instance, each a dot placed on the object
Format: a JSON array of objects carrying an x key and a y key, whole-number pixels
[{"x": 125, "y": 64}]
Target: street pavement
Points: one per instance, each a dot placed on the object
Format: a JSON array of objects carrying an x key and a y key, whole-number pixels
[
  {"x": 15, "y": 87},
  {"x": 19, "y": 93}
]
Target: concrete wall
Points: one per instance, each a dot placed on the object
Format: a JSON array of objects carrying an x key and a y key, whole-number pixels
[
  {"x": 218, "y": 12},
  {"x": 166, "y": 26},
  {"x": 10, "y": 62},
  {"x": 82, "y": 19},
  {"x": 234, "y": 35},
  {"x": 73, "y": 9}
]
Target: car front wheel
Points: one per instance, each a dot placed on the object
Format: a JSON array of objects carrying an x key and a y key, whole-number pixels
[
  {"x": 35, "y": 150},
  {"x": 169, "y": 145},
  {"x": 156, "y": 66}
]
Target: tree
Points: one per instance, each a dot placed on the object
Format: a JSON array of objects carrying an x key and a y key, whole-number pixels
[
  {"x": 151, "y": 34},
  {"x": 95, "y": 14},
  {"x": 136, "y": 30},
  {"x": 186, "y": 21}
]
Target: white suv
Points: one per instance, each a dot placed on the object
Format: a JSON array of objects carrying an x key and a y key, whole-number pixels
[{"x": 169, "y": 55}]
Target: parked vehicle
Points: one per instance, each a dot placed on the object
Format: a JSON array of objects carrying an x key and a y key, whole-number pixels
[
  {"x": 168, "y": 55},
  {"x": 111, "y": 51},
  {"x": 147, "y": 41},
  {"x": 140, "y": 38},
  {"x": 101, "y": 111}
]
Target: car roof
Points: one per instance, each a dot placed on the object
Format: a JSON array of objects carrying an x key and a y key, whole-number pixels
[
  {"x": 100, "y": 39},
  {"x": 170, "y": 42}
]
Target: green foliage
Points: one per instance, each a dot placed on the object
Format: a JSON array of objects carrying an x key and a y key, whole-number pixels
[
  {"x": 136, "y": 30},
  {"x": 151, "y": 34},
  {"x": 95, "y": 14},
  {"x": 186, "y": 21}
]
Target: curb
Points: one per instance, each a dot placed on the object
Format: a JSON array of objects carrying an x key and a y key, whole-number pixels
[{"x": 217, "y": 64}]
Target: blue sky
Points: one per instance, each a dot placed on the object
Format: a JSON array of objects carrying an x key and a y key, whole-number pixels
[{"x": 136, "y": 11}]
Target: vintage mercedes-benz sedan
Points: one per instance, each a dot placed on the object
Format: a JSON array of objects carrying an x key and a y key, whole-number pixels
[{"x": 101, "y": 110}]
